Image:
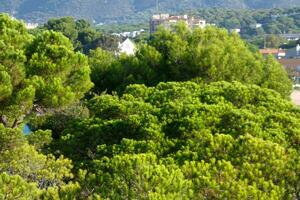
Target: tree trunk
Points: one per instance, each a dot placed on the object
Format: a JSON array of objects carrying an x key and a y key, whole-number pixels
[
  {"x": 3, "y": 120},
  {"x": 16, "y": 123}
]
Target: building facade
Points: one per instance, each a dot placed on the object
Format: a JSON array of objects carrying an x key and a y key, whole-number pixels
[
  {"x": 127, "y": 47},
  {"x": 167, "y": 21},
  {"x": 291, "y": 36},
  {"x": 277, "y": 53}
]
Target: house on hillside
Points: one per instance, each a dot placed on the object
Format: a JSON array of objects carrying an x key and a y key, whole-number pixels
[
  {"x": 291, "y": 36},
  {"x": 258, "y": 25},
  {"x": 277, "y": 53},
  {"x": 293, "y": 52},
  {"x": 235, "y": 30},
  {"x": 167, "y": 20},
  {"x": 132, "y": 34},
  {"x": 31, "y": 25},
  {"x": 127, "y": 47}
]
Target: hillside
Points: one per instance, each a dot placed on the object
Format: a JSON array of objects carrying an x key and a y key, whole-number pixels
[{"x": 120, "y": 10}]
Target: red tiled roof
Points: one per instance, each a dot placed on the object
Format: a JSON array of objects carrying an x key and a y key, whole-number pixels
[
  {"x": 271, "y": 51},
  {"x": 290, "y": 63}
]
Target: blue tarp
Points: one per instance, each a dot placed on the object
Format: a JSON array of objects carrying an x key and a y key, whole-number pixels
[{"x": 26, "y": 129}]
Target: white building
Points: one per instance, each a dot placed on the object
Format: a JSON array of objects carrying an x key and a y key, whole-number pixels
[
  {"x": 258, "y": 25},
  {"x": 167, "y": 20},
  {"x": 235, "y": 30},
  {"x": 127, "y": 47},
  {"x": 31, "y": 25},
  {"x": 291, "y": 36}
]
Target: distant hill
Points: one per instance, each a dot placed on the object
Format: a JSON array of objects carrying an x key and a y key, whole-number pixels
[{"x": 109, "y": 11}]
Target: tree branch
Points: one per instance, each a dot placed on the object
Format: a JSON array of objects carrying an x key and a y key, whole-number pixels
[
  {"x": 3, "y": 120},
  {"x": 16, "y": 123}
]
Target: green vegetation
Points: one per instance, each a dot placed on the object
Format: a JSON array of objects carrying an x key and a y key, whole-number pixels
[
  {"x": 256, "y": 19},
  {"x": 127, "y": 11},
  {"x": 82, "y": 34},
  {"x": 193, "y": 115},
  {"x": 202, "y": 55},
  {"x": 273, "y": 21},
  {"x": 37, "y": 73},
  {"x": 260, "y": 27},
  {"x": 188, "y": 141}
]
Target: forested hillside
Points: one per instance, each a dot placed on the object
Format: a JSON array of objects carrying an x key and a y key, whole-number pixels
[
  {"x": 261, "y": 27},
  {"x": 121, "y": 10},
  {"x": 258, "y": 26}
]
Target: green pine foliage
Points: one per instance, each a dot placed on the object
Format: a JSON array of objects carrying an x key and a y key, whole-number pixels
[
  {"x": 37, "y": 72},
  {"x": 188, "y": 141},
  {"x": 205, "y": 55},
  {"x": 198, "y": 116},
  {"x": 83, "y": 36}
]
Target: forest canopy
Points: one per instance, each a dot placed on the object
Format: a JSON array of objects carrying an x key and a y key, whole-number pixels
[
  {"x": 182, "y": 141},
  {"x": 205, "y": 55},
  {"x": 41, "y": 72},
  {"x": 192, "y": 115}
]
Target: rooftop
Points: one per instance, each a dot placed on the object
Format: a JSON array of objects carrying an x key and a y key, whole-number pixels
[
  {"x": 290, "y": 63},
  {"x": 271, "y": 51}
]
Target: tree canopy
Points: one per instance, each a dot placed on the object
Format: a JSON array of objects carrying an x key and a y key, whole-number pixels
[
  {"x": 83, "y": 36},
  {"x": 208, "y": 55},
  {"x": 188, "y": 141},
  {"x": 42, "y": 72},
  {"x": 192, "y": 115}
]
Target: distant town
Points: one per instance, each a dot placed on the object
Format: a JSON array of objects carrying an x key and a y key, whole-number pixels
[{"x": 289, "y": 58}]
